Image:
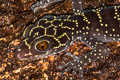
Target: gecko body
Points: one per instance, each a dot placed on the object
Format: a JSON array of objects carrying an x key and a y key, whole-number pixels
[{"x": 52, "y": 34}]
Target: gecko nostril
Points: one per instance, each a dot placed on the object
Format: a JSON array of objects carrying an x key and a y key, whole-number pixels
[
  {"x": 71, "y": 70},
  {"x": 77, "y": 72}
]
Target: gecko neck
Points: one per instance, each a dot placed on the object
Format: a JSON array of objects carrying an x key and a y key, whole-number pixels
[{"x": 81, "y": 28}]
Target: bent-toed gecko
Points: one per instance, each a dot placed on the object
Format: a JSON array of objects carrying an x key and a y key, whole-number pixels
[{"x": 52, "y": 34}]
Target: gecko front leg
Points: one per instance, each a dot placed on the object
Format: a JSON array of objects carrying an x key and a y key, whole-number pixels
[{"x": 99, "y": 51}]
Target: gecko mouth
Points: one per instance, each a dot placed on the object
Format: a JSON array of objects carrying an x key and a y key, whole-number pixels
[{"x": 30, "y": 56}]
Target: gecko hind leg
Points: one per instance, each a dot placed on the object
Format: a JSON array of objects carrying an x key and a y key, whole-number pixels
[{"x": 76, "y": 66}]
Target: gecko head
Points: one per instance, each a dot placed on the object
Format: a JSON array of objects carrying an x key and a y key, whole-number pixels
[
  {"x": 40, "y": 47},
  {"x": 43, "y": 39}
]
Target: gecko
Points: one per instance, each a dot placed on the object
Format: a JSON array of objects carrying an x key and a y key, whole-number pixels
[{"x": 55, "y": 33}]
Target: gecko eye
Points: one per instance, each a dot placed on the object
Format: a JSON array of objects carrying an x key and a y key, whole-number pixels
[{"x": 42, "y": 45}]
